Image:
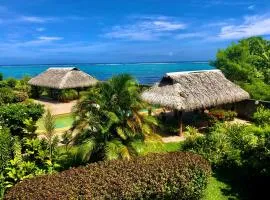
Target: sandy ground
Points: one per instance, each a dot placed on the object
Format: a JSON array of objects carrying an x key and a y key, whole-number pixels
[
  {"x": 55, "y": 107},
  {"x": 173, "y": 139}
]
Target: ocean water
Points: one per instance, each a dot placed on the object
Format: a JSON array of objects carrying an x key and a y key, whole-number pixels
[{"x": 145, "y": 73}]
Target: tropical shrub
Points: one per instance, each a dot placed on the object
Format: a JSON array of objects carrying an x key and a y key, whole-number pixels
[
  {"x": 5, "y": 147},
  {"x": 11, "y": 82},
  {"x": 222, "y": 115},
  {"x": 156, "y": 176},
  {"x": 14, "y": 115},
  {"x": 35, "y": 92},
  {"x": 242, "y": 151},
  {"x": 68, "y": 95},
  {"x": 262, "y": 116},
  {"x": 31, "y": 157},
  {"x": 247, "y": 62},
  {"x": 23, "y": 86},
  {"x": 7, "y": 96},
  {"x": 108, "y": 119}
]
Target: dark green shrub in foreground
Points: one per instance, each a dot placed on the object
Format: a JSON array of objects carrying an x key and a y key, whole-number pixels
[{"x": 157, "y": 176}]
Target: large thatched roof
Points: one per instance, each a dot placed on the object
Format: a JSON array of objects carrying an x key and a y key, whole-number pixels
[
  {"x": 194, "y": 90},
  {"x": 63, "y": 78}
]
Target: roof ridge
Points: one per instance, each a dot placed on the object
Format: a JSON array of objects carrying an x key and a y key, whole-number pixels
[
  {"x": 64, "y": 79},
  {"x": 191, "y": 72}
]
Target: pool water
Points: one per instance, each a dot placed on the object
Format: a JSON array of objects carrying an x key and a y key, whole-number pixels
[
  {"x": 66, "y": 120},
  {"x": 61, "y": 121}
]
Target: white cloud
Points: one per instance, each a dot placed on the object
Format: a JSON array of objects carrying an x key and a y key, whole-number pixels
[
  {"x": 252, "y": 26},
  {"x": 34, "y": 19},
  {"x": 49, "y": 39},
  {"x": 40, "y": 29},
  {"x": 190, "y": 35},
  {"x": 146, "y": 29},
  {"x": 251, "y": 7}
]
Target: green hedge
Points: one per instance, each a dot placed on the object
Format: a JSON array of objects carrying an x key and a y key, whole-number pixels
[{"x": 157, "y": 176}]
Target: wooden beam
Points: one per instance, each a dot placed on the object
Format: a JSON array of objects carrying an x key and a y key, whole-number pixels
[
  {"x": 149, "y": 111},
  {"x": 180, "y": 119}
]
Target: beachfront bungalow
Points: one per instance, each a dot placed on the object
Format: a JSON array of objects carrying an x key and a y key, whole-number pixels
[
  {"x": 57, "y": 79},
  {"x": 194, "y": 90}
]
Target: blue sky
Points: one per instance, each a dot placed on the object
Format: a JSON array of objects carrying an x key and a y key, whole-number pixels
[{"x": 68, "y": 31}]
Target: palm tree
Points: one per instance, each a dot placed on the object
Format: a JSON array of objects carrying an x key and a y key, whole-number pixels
[{"x": 108, "y": 119}]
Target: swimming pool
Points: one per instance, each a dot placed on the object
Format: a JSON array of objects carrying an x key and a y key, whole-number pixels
[{"x": 61, "y": 121}]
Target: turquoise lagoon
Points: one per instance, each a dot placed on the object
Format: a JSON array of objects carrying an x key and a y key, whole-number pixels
[{"x": 145, "y": 73}]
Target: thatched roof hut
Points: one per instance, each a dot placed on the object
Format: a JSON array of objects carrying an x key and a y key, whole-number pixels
[
  {"x": 63, "y": 78},
  {"x": 187, "y": 91}
]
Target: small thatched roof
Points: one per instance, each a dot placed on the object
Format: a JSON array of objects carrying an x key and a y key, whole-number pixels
[
  {"x": 63, "y": 78},
  {"x": 193, "y": 90}
]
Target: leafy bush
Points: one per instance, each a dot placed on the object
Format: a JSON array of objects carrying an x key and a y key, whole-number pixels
[
  {"x": 5, "y": 147},
  {"x": 222, "y": 115},
  {"x": 262, "y": 116},
  {"x": 1, "y": 76},
  {"x": 257, "y": 89},
  {"x": 11, "y": 82},
  {"x": 35, "y": 92},
  {"x": 7, "y": 96},
  {"x": 14, "y": 115},
  {"x": 68, "y": 95},
  {"x": 242, "y": 151},
  {"x": 157, "y": 176},
  {"x": 248, "y": 64}
]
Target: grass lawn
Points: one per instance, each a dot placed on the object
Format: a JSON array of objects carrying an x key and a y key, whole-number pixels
[{"x": 216, "y": 190}]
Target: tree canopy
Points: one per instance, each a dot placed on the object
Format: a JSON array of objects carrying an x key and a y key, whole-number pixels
[{"x": 248, "y": 64}]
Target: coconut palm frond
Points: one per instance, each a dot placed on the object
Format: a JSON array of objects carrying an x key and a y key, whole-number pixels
[
  {"x": 121, "y": 133},
  {"x": 85, "y": 150}
]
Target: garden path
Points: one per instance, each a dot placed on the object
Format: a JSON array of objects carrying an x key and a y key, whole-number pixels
[{"x": 57, "y": 108}]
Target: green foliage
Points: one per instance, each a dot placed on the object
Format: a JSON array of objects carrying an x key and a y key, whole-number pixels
[
  {"x": 14, "y": 115},
  {"x": 241, "y": 150},
  {"x": 33, "y": 161},
  {"x": 221, "y": 115},
  {"x": 35, "y": 92},
  {"x": 23, "y": 86},
  {"x": 1, "y": 76},
  {"x": 8, "y": 95},
  {"x": 11, "y": 82},
  {"x": 257, "y": 89},
  {"x": 245, "y": 63},
  {"x": 68, "y": 95},
  {"x": 108, "y": 119},
  {"x": 5, "y": 147},
  {"x": 49, "y": 125},
  {"x": 156, "y": 176},
  {"x": 262, "y": 116}
]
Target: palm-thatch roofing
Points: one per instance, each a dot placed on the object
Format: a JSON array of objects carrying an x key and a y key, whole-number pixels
[
  {"x": 63, "y": 78},
  {"x": 187, "y": 91}
]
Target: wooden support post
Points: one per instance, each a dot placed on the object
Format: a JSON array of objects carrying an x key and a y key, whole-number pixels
[
  {"x": 180, "y": 118},
  {"x": 149, "y": 111}
]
